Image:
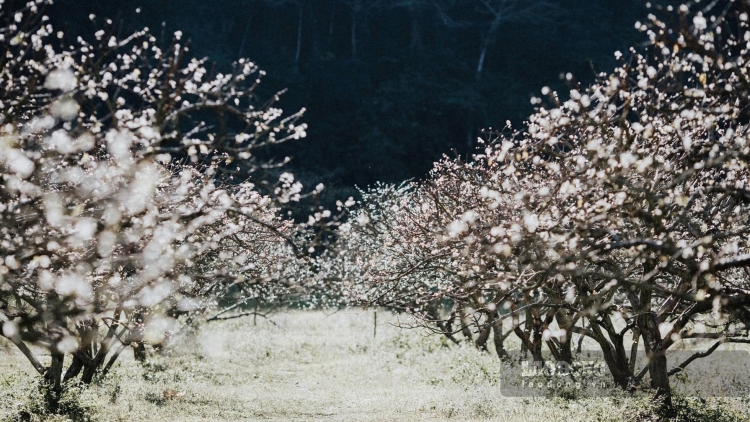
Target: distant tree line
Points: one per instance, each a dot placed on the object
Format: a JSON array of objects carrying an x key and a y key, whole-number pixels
[{"x": 390, "y": 85}]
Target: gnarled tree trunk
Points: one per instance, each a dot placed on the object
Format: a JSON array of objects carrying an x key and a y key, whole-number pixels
[{"x": 657, "y": 359}]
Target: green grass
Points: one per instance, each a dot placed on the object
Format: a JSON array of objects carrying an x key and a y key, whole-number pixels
[{"x": 310, "y": 366}]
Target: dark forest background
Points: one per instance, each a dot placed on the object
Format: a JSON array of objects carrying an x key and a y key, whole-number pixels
[{"x": 389, "y": 85}]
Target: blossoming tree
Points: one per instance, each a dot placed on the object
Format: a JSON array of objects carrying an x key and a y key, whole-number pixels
[
  {"x": 131, "y": 191},
  {"x": 619, "y": 214}
]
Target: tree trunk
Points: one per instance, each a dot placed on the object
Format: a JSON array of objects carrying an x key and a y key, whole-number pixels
[
  {"x": 499, "y": 339},
  {"x": 89, "y": 371},
  {"x": 465, "y": 330},
  {"x": 657, "y": 359},
  {"x": 139, "y": 352},
  {"x": 648, "y": 326},
  {"x": 53, "y": 380},
  {"x": 531, "y": 344},
  {"x": 634, "y": 349},
  {"x": 26, "y": 352},
  {"x": 565, "y": 346},
  {"x": 531, "y": 338},
  {"x": 536, "y": 350},
  {"x": 533, "y": 334},
  {"x": 85, "y": 353},
  {"x": 75, "y": 368},
  {"x": 552, "y": 344},
  {"x": 54, "y": 373},
  {"x": 446, "y": 327},
  {"x": 484, "y": 334},
  {"x": 113, "y": 359},
  {"x": 97, "y": 360},
  {"x": 614, "y": 357},
  {"x": 528, "y": 326}
]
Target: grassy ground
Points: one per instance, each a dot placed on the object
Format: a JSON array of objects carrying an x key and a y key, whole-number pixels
[{"x": 310, "y": 366}]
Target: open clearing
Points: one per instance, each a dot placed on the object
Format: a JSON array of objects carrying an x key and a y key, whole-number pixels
[{"x": 314, "y": 366}]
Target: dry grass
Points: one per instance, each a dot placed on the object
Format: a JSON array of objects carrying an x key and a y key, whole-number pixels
[{"x": 310, "y": 366}]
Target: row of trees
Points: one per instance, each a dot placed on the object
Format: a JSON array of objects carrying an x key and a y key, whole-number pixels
[
  {"x": 137, "y": 188},
  {"x": 620, "y": 214},
  {"x": 133, "y": 192}
]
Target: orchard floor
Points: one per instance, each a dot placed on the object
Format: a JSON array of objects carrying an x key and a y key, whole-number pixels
[{"x": 313, "y": 366}]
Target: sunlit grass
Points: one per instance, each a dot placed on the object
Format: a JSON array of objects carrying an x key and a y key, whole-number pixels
[{"x": 310, "y": 366}]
